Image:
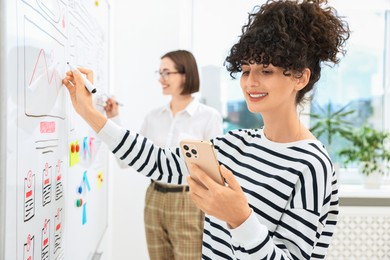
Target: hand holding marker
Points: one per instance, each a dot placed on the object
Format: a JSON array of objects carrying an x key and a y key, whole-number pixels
[{"x": 88, "y": 85}]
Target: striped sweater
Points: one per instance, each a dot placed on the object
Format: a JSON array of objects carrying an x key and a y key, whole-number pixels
[{"x": 290, "y": 187}]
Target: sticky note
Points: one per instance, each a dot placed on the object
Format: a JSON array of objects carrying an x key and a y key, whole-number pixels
[
  {"x": 84, "y": 213},
  {"x": 74, "y": 150},
  {"x": 85, "y": 148},
  {"x": 91, "y": 145},
  {"x": 85, "y": 179},
  {"x": 100, "y": 179}
]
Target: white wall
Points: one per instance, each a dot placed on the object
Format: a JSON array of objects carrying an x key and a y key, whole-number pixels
[{"x": 142, "y": 31}]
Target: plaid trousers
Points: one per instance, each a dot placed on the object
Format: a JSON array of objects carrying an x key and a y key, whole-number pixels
[{"x": 173, "y": 225}]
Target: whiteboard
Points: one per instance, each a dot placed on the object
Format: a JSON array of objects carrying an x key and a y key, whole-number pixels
[{"x": 54, "y": 185}]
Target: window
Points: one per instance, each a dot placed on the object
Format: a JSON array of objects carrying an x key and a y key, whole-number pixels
[{"x": 360, "y": 80}]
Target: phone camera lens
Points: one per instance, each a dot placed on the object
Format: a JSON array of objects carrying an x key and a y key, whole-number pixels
[
  {"x": 188, "y": 154},
  {"x": 186, "y": 147},
  {"x": 193, "y": 151}
]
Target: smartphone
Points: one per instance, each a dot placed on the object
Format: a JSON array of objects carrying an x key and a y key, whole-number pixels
[{"x": 202, "y": 154}]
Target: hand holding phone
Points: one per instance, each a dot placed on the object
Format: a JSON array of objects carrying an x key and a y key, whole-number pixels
[{"x": 202, "y": 154}]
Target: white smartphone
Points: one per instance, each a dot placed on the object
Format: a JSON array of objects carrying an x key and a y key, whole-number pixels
[{"x": 202, "y": 154}]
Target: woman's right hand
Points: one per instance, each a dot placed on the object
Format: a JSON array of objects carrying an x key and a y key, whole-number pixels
[
  {"x": 82, "y": 99},
  {"x": 80, "y": 96}
]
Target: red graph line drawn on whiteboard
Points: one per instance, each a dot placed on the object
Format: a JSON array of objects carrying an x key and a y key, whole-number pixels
[{"x": 49, "y": 77}]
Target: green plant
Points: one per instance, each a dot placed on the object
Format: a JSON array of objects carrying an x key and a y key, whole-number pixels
[
  {"x": 368, "y": 149},
  {"x": 329, "y": 123}
]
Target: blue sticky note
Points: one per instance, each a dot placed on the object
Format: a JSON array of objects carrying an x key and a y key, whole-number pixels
[
  {"x": 85, "y": 147},
  {"x": 84, "y": 213},
  {"x": 85, "y": 178}
]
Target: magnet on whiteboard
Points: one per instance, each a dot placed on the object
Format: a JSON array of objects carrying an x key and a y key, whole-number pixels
[{"x": 79, "y": 203}]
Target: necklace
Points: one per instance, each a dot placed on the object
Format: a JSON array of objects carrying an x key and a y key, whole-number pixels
[{"x": 283, "y": 138}]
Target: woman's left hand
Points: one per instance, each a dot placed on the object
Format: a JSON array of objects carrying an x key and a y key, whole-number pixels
[
  {"x": 111, "y": 108},
  {"x": 227, "y": 203}
]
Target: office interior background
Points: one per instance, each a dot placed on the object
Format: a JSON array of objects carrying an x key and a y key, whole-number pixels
[{"x": 144, "y": 30}]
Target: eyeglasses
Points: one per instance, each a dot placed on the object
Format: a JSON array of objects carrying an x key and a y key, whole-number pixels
[{"x": 165, "y": 74}]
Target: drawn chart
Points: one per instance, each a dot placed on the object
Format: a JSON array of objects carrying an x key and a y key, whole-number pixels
[
  {"x": 29, "y": 196},
  {"x": 43, "y": 79},
  {"x": 58, "y": 232},
  {"x": 28, "y": 252},
  {"x": 45, "y": 241},
  {"x": 59, "y": 187},
  {"x": 46, "y": 185}
]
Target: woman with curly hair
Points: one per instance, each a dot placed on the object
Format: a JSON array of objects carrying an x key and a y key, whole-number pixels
[{"x": 280, "y": 197}]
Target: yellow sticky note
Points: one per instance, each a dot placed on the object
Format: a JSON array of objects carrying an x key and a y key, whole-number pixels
[
  {"x": 100, "y": 179},
  {"x": 74, "y": 150}
]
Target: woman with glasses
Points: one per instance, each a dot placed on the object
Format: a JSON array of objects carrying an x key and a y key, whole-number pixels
[
  {"x": 280, "y": 197},
  {"x": 173, "y": 224}
]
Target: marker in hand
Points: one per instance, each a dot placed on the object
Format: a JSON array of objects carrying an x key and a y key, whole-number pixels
[{"x": 88, "y": 85}]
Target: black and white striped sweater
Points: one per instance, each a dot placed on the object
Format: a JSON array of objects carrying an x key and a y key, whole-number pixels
[{"x": 291, "y": 188}]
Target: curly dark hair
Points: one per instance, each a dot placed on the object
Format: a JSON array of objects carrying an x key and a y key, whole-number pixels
[{"x": 293, "y": 35}]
